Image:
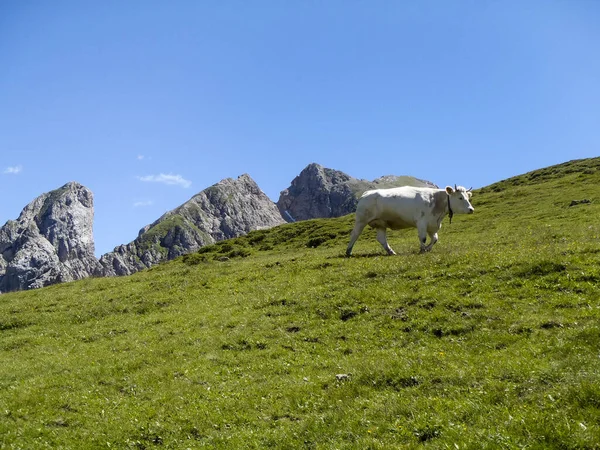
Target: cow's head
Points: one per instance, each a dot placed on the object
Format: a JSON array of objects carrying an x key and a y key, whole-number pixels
[{"x": 459, "y": 200}]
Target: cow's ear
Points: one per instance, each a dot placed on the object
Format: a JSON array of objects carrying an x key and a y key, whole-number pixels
[{"x": 449, "y": 190}]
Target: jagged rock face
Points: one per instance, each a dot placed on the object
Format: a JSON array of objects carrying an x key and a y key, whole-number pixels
[
  {"x": 51, "y": 241},
  {"x": 227, "y": 209},
  {"x": 319, "y": 192}
]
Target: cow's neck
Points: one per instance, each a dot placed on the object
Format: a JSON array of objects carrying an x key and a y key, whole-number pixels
[{"x": 450, "y": 212}]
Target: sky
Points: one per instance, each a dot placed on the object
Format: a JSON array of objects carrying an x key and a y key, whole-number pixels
[{"x": 147, "y": 103}]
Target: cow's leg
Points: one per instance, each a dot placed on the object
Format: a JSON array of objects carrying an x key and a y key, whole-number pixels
[
  {"x": 358, "y": 227},
  {"x": 434, "y": 239},
  {"x": 382, "y": 238},
  {"x": 432, "y": 231},
  {"x": 422, "y": 238}
]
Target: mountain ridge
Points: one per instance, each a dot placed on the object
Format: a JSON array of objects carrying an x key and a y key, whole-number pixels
[{"x": 52, "y": 240}]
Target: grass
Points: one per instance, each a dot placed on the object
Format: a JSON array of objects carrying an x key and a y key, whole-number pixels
[{"x": 275, "y": 340}]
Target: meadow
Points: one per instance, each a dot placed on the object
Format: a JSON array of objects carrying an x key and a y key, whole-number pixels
[{"x": 276, "y": 340}]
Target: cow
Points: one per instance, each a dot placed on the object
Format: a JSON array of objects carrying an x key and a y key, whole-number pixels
[{"x": 409, "y": 207}]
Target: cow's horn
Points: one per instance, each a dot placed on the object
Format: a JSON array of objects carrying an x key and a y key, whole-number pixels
[
  {"x": 470, "y": 189},
  {"x": 455, "y": 187}
]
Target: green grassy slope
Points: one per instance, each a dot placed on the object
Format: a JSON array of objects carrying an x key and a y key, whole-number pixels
[{"x": 275, "y": 340}]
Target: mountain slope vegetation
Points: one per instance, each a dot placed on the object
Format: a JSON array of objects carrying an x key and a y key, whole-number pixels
[{"x": 275, "y": 340}]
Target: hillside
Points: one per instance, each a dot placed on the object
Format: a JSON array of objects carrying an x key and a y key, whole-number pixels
[{"x": 275, "y": 340}]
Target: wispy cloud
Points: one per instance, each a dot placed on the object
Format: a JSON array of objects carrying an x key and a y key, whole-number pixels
[
  {"x": 143, "y": 203},
  {"x": 14, "y": 170},
  {"x": 171, "y": 179},
  {"x": 140, "y": 157}
]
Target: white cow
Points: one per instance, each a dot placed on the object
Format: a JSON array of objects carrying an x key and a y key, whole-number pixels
[{"x": 409, "y": 207}]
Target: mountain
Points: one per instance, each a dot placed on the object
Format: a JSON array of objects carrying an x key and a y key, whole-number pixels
[
  {"x": 50, "y": 242},
  {"x": 319, "y": 192},
  {"x": 227, "y": 209}
]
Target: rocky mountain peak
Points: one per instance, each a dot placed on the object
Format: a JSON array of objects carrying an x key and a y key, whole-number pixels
[
  {"x": 51, "y": 241},
  {"x": 227, "y": 209},
  {"x": 320, "y": 174},
  {"x": 316, "y": 192}
]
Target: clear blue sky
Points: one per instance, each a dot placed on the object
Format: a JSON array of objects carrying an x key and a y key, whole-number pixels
[{"x": 147, "y": 103}]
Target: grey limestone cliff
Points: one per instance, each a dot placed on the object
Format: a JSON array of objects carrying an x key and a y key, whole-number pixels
[
  {"x": 51, "y": 241},
  {"x": 227, "y": 209},
  {"x": 319, "y": 192}
]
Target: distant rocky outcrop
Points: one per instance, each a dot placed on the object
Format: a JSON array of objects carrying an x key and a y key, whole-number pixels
[
  {"x": 319, "y": 192},
  {"x": 51, "y": 241},
  {"x": 227, "y": 209}
]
